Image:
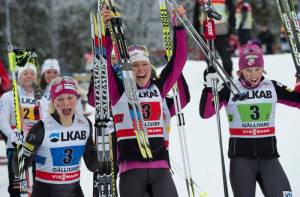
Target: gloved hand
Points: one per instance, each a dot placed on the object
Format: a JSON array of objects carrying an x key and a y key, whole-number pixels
[
  {"x": 109, "y": 127},
  {"x": 17, "y": 137},
  {"x": 107, "y": 124},
  {"x": 210, "y": 74}
]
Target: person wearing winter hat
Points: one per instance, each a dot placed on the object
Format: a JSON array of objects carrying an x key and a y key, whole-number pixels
[
  {"x": 252, "y": 144},
  {"x": 134, "y": 168},
  {"x": 29, "y": 110},
  {"x": 28, "y": 71},
  {"x": 60, "y": 140},
  {"x": 50, "y": 70}
]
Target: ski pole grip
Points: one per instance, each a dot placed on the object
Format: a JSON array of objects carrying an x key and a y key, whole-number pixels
[
  {"x": 209, "y": 29},
  {"x": 239, "y": 97},
  {"x": 215, "y": 15}
]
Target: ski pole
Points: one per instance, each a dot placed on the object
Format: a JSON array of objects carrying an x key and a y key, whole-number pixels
[
  {"x": 177, "y": 102},
  {"x": 288, "y": 16},
  {"x": 23, "y": 184},
  {"x": 118, "y": 35},
  {"x": 210, "y": 36},
  {"x": 104, "y": 181},
  {"x": 205, "y": 50},
  {"x": 177, "y": 168},
  {"x": 216, "y": 103}
]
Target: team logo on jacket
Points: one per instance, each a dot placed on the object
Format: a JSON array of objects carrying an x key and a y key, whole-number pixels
[
  {"x": 54, "y": 137},
  {"x": 251, "y": 59},
  {"x": 256, "y": 94},
  {"x": 148, "y": 94},
  {"x": 27, "y": 100},
  {"x": 68, "y": 136}
]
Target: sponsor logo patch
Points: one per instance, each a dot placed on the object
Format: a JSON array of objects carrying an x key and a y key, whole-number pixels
[
  {"x": 54, "y": 137},
  {"x": 29, "y": 146},
  {"x": 287, "y": 194},
  {"x": 68, "y": 135}
]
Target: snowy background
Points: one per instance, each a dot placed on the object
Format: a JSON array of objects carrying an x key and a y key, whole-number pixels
[{"x": 203, "y": 142}]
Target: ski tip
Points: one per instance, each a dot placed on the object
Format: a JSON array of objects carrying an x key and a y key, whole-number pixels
[
  {"x": 203, "y": 194},
  {"x": 8, "y": 46}
]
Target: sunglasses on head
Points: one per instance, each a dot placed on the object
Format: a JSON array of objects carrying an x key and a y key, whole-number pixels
[
  {"x": 253, "y": 49},
  {"x": 133, "y": 48},
  {"x": 65, "y": 79}
]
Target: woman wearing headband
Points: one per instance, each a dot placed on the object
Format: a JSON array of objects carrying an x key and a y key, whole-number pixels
[{"x": 137, "y": 173}]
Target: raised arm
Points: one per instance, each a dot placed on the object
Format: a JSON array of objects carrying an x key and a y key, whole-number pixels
[
  {"x": 286, "y": 96},
  {"x": 206, "y": 106},
  {"x": 184, "y": 95},
  {"x": 171, "y": 73}
]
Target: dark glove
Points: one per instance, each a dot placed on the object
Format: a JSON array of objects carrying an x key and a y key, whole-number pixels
[
  {"x": 210, "y": 75},
  {"x": 207, "y": 71}
]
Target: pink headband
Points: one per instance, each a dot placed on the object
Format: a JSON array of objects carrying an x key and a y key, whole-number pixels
[{"x": 62, "y": 86}]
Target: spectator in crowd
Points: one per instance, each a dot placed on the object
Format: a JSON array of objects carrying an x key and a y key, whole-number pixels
[
  {"x": 267, "y": 39},
  {"x": 4, "y": 86},
  {"x": 225, "y": 28},
  {"x": 234, "y": 45},
  {"x": 243, "y": 21},
  {"x": 4, "y": 79},
  {"x": 285, "y": 47}
]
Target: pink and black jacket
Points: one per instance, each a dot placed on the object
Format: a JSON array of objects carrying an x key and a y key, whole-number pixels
[
  {"x": 128, "y": 150},
  {"x": 251, "y": 121}
]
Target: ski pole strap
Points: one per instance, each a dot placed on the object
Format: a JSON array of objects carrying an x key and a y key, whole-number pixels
[
  {"x": 211, "y": 13},
  {"x": 209, "y": 9}
]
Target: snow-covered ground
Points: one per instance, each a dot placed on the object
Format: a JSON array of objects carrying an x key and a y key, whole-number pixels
[{"x": 202, "y": 136}]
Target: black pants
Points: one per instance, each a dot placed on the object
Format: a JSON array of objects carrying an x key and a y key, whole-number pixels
[
  {"x": 41, "y": 189},
  {"x": 244, "y": 36},
  {"x": 134, "y": 183},
  {"x": 268, "y": 173},
  {"x": 222, "y": 47},
  {"x": 13, "y": 182}
]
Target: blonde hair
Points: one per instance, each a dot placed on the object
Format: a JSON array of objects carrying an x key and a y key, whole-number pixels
[{"x": 51, "y": 108}]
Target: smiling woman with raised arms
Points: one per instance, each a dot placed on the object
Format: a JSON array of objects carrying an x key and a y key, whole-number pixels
[
  {"x": 138, "y": 173},
  {"x": 252, "y": 144}
]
